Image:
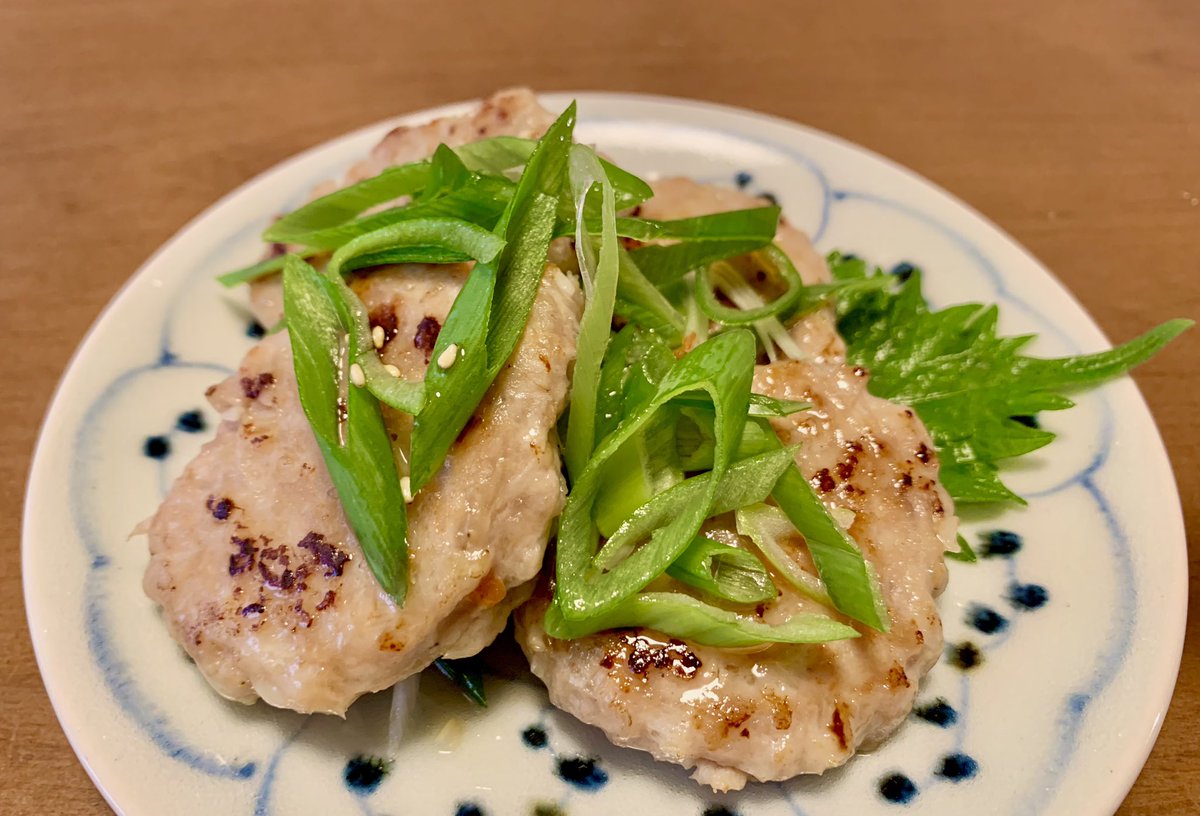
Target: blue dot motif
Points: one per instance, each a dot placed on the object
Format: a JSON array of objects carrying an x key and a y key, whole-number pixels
[
  {"x": 939, "y": 712},
  {"x": 190, "y": 422},
  {"x": 1028, "y": 596},
  {"x": 903, "y": 271},
  {"x": 743, "y": 180},
  {"x": 534, "y": 736},
  {"x": 469, "y": 809},
  {"x": 363, "y": 774},
  {"x": 957, "y": 767},
  {"x": 898, "y": 788},
  {"x": 965, "y": 655},
  {"x": 1002, "y": 543},
  {"x": 157, "y": 447},
  {"x": 986, "y": 620},
  {"x": 582, "y": 772}
]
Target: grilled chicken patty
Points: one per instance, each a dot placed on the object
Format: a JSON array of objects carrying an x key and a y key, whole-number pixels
[
  {"x": 258, "y": 574},
  {"x": 781, "y": 710}
]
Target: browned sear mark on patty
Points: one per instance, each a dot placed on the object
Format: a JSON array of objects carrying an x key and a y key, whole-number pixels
[
  {"x": 824, "y": 481},
  {"x": 720, "y": 719},
  {"x": 220, "y": 508},
  {"x": 387, "y": 643},
  {"x": 324, "y": 553},
  {"x": 253, "y": 386},
  {"x": 426, "y": 335},
  {"x": 327, "y": 601},
  {"x": 243, "y": 559},
  {"x": 674, "y": 655},
  {"x": 302, "y": 617},
  {"x": 837, "y": 725},
  {"x": 286, "y": 579},
  {"x": 781, "y": 712},
  {"x": 385, "y": 318}
]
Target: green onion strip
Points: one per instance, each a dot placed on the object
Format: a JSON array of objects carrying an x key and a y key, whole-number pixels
[{"x": 348, "y": 426}]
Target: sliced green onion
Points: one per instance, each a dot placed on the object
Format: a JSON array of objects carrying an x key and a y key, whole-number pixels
[
  {"x": 481, "y": 201},
  {"x": 502, "y": 153},
  {"x": 405, "y": 255},
  {"x": 496, "y": 155},
  {"x": 523, "y": 261},
  {"x": 765, "y": 526},
  {"x": 721, "y": 275},
  {"x": 650, "y": 358},
  {"x": 403, "y": 395},
  {"x": 643, "y": 467},
  {"x": 344, "y": 204},
  {"x": 683, "y": 616},
  {"x": 757, "y": 224},
  {"x": 611, "y": 392},
  {"x": 722, "y": 367},
  {"x": 467, "y": 675},
  {"x": 600, "y": 289},
  {"x": 694, "y": 437},
  {"x": 640, "y": 301},
  {"x": 837, "y": 557},
  {"x": 814, "y": 296},
  {"x": 770, "y": 330},
  {"x": 664, "y": 265},
  {"x": 725, "y": 572},
  {"x": 267, "y": 266},
  {"x": 748, "y": 481},
  {"x": 840, "y": 563},
  {"x": 446, "y": 173},
  {"x": 507, "y": 287},
  {"x": 760, "y": 405},
  {"x": 452, "y": 394},
  {"x": 443, "y": 233},
  {"x": 349, "y": 430}
]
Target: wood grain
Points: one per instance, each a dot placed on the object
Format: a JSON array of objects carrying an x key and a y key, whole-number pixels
[{"x": 1075, "y": 127}]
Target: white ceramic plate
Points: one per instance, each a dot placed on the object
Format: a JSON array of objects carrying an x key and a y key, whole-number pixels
[{"x": 1058, "y": 716}]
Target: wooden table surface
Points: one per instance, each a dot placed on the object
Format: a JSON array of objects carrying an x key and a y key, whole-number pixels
[{"x": 1076, "y": 127}]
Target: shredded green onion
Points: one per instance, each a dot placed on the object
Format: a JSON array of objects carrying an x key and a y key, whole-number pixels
[
  {"x": 765, "y": 526},
  {"x": 685, "y": 617},
  {"x": 486, "y": 325},
  {"x": 267, "y": 266},
  {"x": 344, "y": 204},
  {"x": 723, "y": 276},
  {"x": 728, "y": 573},
  {"x": 600, "y": 290},
  {"x": 348, "y": 426},
  {"x": 721, "y": 367},
  {"x": 450, "y": 234}
]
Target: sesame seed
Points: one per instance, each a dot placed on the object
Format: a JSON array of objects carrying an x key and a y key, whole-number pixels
[
  {"x": 377, "y": 336},
  {"x": 391, "y": 369},
  {"x": 357, "y": 376},
  {"x": 448, "y": 356},
  {"x": 406, "y": 488}
]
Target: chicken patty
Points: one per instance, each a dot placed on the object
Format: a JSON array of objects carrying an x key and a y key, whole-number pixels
[
  {"x": 259, "y": 576},
  {"x": 781, "y": 710}
]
